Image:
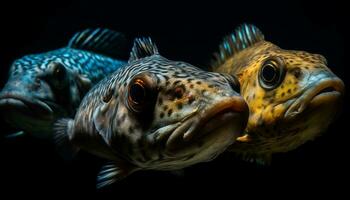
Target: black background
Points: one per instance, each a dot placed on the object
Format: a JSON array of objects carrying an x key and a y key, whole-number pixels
[{"x": 189, "y": 32}]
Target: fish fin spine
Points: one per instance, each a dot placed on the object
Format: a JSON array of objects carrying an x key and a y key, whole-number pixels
[{"x": 63, "y": 135}]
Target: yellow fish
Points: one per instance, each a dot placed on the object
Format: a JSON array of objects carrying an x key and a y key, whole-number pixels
[{"x": 292, "y": 95}]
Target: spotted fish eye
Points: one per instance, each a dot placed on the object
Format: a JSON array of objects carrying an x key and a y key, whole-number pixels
[
  {"x": 271, "y": 73},
  {"x": 141, "y": 92}
]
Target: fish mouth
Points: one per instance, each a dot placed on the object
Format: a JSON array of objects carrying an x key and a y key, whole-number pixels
[
  {"x": 226, "y": 112},
  {"x": 25, "y": 106},
  {"x": 326, "y": 91}
]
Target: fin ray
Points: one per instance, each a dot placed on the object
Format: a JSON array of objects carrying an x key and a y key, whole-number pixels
[
  {"x": 245, "y": 36},
  {"x": 111, "y": 173},
  {"x": 143, "y": 47},
  {"x": 62, "y": 138},
  {"x": 100, "y": 40}
]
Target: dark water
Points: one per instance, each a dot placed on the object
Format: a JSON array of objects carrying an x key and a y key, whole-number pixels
[{"x": 190, "y": 32}]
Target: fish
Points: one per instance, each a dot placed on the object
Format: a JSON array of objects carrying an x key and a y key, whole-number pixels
[
  {"x": 292, "y": 95},
  {"x": 47, "y": 86},
  {"x": 155, "y": 114}
]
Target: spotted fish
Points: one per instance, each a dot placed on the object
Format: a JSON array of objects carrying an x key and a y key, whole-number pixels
[
  {"x": 155, "y": 114},
  {"x": 292, "y": 95},
  {"x": 47, "y": 86}
]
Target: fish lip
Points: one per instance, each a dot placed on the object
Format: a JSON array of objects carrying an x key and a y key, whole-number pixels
[
  {"x": 38, "y": 107},
  {"x": 227, "y": 110},
  {"x": 333, "y": 88}
]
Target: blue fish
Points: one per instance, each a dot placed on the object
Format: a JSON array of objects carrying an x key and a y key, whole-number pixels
[{"x": 45, "y": 87}]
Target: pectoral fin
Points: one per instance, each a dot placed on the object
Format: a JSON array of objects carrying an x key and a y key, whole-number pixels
[
  {"x": 113, "y": 172},
  {"x": 62, "y": 138}
]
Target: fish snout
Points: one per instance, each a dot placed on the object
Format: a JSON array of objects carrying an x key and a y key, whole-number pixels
[
  {"x": 22, "y": 103},
  {"x": 228, "y": 116},
  {"x": 324, "y": 92}
]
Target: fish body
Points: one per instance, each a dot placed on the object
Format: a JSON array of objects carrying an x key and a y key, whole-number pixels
[
  {"x": 44, "y": 87},
  {"x": 292, "y": 95},
  {"x": 155, "y": 114}
]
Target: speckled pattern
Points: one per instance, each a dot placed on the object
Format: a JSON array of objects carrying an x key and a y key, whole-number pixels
[
  {"x": 286, "y": 114},
  {"x": 173, "y": 128}
]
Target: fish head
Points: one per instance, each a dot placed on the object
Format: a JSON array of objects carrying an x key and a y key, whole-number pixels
[
  {"x": 40, "y": 89},
  {"x": 292, "y": 95},
  {"x": 170, "y": 114}
]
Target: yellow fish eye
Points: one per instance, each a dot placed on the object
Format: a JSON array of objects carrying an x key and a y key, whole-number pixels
[{"x": 271, "y": 73}]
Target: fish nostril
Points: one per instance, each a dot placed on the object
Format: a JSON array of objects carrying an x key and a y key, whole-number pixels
[
  {"x": 178, "y": 92},
  {"x": 298, "y": 74}
]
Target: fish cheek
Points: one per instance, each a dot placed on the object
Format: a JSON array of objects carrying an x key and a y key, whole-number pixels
[
  {"x": 84, "y": 84},
  {"x": 104, "y": 119}
]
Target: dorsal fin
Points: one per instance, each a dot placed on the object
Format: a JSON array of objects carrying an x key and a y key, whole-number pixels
[
  {"x": 246, "y": 35},
  {"x": 102, "y": 41},
  {"x": 143, "y": 47}
]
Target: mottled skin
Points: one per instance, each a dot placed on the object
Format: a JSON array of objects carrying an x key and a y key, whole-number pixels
[
  {"x": 294, "y": 110},
  {"x": 188, "y": 115},
  {"x": 47, "y": 86}
]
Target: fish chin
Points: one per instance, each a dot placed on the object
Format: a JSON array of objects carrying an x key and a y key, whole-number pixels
[
  {"x": 213, "y": 138},
  {"x": 33, "y": 116},
  {"x": 39, "y": 128},
  {"x": 310, "y": 115}
]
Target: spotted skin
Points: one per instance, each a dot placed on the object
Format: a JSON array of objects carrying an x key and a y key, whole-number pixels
[
  {"x": 191, "y": 116},
  {"x": 47, "y": 86},
  {"x": 296, "y": 110}
]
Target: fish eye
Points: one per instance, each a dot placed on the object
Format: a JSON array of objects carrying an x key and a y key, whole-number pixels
[
  {"x": 137, "y": 92},
  {"x": 140, "y": 94},
  {"x": 57, "y": 75},
  {"x": 59, "y": 71},
  {"x": 271, "y": 73}
]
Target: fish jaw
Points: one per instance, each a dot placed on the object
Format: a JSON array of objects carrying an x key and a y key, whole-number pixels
[
  {"x": 209, "y": 132},
  {"x": 305, "y": 119},
  {"x": 324, "y": 92},
  {"x": 29, "y": 114}
]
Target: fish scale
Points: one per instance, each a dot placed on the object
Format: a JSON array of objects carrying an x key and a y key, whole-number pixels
[
  {"x": 57, "y": 80},
  {"x": 145, "y": 117}
]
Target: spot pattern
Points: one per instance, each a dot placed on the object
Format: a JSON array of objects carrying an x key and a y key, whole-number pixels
[{"x": 268, "y": 128}]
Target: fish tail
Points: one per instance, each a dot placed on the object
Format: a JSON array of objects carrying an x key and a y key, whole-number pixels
[{"x": 63, "y": 132}]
